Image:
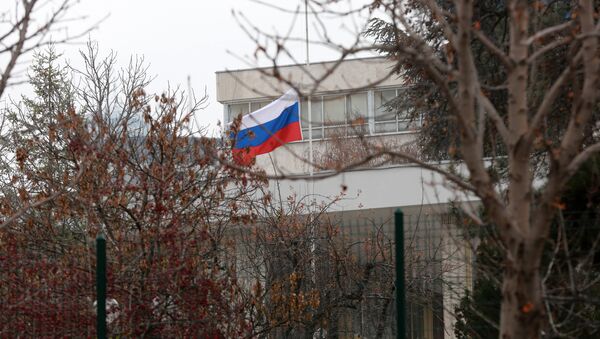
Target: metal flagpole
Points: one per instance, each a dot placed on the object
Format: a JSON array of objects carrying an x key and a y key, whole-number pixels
[
  {"x": 310, "y": 160},
  {"x": 310, "y": 138},
  {"x": 400, "y": 288},
  {"x": 189, "y": 85},
  {"x": 101, "y": 286}
]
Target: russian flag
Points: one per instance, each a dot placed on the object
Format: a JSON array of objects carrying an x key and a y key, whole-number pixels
[{"x": 268, "y": 128}]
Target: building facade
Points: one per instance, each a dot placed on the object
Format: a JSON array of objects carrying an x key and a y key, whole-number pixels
[{"x": 348, "y": 102}]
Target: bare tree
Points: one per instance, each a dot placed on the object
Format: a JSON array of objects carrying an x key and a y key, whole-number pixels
[
  {"x": 31, "y": 24},
  {"x": 523, "y": 204},
  {"x": 145, "y": 178},
  {"x": 307, "y": 273},
  {"x": 25, "y": 26}
]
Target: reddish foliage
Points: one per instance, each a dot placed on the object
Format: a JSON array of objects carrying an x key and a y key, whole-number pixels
[{"x": 163, "y": 204}]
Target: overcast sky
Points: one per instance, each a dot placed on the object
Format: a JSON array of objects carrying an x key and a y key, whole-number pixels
[{"x": 190, "y": 37}]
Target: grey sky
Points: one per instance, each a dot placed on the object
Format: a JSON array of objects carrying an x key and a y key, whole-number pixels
[{"x": 186, "y": 37}]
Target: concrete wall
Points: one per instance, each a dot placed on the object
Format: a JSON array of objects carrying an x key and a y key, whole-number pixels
[
  {"x": 390, "y": 186},
  {"x": 240, "y": 85}
]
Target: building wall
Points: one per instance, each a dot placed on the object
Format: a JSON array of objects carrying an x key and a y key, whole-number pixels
[
  {"x": 292, "y": 158},
  {"x": 258, "y": 83},
  {"x": 390, "y": 186},
  {"x": 374, "y": 191}
]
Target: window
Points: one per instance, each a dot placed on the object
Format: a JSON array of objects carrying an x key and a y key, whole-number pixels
[
  {"x": 316, "y": 114},
  {"x": 233, "y": 110},
  {"x": 358, "y": 106},
  {"x": 336, "y": 115},
  {"x": 358, "y": 113},
  {"x": 237, "y": 109},
  {"x": 381, "y": 111},
  {"x": 335, "y": 110},
  {"x": 255, "y": 106},
  {"x": 387, "y": 120},
  {"x": 342, "y": 114}
]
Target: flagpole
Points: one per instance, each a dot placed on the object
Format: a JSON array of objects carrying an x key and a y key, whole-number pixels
[
  {"x": 310, "y": 137},
  {"x": 189, "y": 85},
  {"x": 310, "y": 160}
]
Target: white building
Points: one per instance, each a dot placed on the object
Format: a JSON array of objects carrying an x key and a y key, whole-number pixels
[{"x": 351, "y": 98}]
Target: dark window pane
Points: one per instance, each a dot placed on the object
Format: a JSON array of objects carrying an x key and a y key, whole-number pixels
[
  {"x": 357, "y": 106},
  {"x": 258, "y": 105},
  {"x": 304, "y": 134},
  {"x": 316, "y": 114},
  {"x": 334, "y": 110},
  {"x": 237, "y": 109},
  {"x": 381, "y": 98},
  {"x": 317, "y": 133},
  {"x": 303, "y": 114}
]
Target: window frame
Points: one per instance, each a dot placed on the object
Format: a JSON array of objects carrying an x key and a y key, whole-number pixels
[
  {"x": 227, "y": 107},
  {"x": 324, "y": 130},
  {"x": 398, "y": 119}
]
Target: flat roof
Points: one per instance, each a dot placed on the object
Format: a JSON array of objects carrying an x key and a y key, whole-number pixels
[
  {"x": 295, "y": 65},
  {"x": 350, "y": 74}
]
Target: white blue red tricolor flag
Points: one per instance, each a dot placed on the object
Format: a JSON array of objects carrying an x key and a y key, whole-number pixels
[{"x": 268, "y": 128}]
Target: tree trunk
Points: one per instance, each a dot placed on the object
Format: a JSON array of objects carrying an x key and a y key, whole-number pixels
[{"x": 522, "y": 311}]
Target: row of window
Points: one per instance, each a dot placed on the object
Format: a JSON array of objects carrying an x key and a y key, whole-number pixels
[{"x": 332, "y": 115}]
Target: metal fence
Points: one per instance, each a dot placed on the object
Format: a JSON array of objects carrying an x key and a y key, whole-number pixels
[{"x": 47, "y": 298}]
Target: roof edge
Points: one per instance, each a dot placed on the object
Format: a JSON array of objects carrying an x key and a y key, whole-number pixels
[{"x": 298, "y": 64}]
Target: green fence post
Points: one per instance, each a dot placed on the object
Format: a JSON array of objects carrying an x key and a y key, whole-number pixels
[
  {"x": 101, "y": 286},
  {"x": 400, "y": 289}
]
